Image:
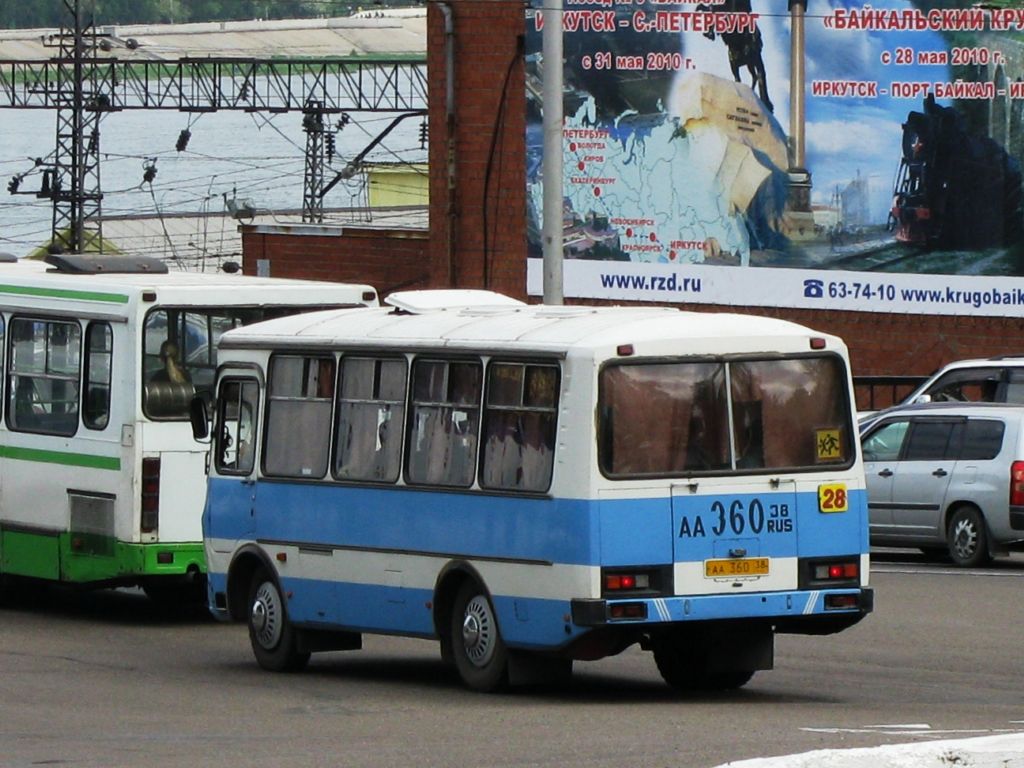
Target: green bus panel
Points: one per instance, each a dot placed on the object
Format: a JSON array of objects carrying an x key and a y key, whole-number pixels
[
  {"x": 30, "y": 554},
  {"x": 82, "y": 559}
]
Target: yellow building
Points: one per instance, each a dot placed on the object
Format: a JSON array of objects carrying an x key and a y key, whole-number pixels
[{"x": 397, "y": 184}]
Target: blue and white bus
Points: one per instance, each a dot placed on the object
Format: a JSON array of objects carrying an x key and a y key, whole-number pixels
[{"x": 533, "y": 485}]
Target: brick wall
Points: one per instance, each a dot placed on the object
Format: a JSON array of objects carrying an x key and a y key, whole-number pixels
[
  {"x": 389, "y": 260},
  {"x": 478, "y": 150}
]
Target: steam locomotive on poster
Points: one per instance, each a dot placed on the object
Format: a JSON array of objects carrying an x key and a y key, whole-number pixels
[{"x": 954, "y": 190}]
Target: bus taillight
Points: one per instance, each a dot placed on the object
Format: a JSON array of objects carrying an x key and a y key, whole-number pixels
[
  {"x": 837, "y": 571},
  {"x": 150, "y": 495},
  {"x": 830, "y": 572},
  {"x": 627, "y": 611},
  {"x": 841, "y": 602},
  {"x": 649, "y": 580},
  {"x": 617, "y": 581}
]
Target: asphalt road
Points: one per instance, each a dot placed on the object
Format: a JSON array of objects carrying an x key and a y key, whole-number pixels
[{"x": 106, "y": 679}]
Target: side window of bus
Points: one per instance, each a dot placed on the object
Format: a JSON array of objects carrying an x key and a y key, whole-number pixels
[
  {"x": 199, "y": 333},
  {"x": 371, "y": 419},
  {"x": 168, "y": 387},
  {"x": 445, "y": 422},
  {"x": 300, "y": 394},
  {"x": 520, "y": 416},
  {"x": 238, "y": 405},
  {"x": 44, "y": 375},
  {"x": 219, "y": 325},
  {"x": 99, "y": 343}
]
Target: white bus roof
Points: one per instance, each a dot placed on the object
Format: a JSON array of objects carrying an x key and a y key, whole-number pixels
[
  {"x": 29, "y": 278},
  {"x": 535, "y": 327}
]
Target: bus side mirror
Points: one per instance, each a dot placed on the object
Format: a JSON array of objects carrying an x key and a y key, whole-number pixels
[{"x": 200, "y": 418}]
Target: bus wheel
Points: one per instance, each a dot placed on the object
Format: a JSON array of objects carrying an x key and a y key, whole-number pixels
[
  {"x": 271, "y": 634},
  {"x": 479, "y": 652},
  {"x": 686, "y": 671}
]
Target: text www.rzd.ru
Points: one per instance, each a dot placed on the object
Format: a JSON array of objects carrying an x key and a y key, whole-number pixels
[{"x": 652, "y": 283}]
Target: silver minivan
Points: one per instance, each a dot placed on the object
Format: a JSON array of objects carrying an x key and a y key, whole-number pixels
[{"x": 946, "y": 477}]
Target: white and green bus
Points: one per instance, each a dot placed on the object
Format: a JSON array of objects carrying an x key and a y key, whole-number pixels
[{"x": 101, "y": 482}]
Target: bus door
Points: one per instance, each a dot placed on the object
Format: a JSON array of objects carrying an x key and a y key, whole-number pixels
[
  {"x": 735, "y": 537},
  {"x": 234, "y": 457}
]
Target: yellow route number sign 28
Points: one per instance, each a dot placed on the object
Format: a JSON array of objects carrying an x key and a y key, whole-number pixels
[{"x": 832, "y": 497}]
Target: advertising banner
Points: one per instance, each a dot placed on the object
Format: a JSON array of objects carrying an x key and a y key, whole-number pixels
[{"x": 789, "y": 153}]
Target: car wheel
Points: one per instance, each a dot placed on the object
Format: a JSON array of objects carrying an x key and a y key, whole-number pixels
[
  {"x": 271, "y": 634},
  {"x": 478, "y": 651},
  {"x": 967, "y": 538}
]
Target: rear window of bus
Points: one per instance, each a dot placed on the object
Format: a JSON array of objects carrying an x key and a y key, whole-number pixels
[{"x": 693, "y": 417}]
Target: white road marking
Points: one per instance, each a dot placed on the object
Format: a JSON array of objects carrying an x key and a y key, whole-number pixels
[
  {"x": 897, "y": 730},
  {"x": 915, "y": 729}
]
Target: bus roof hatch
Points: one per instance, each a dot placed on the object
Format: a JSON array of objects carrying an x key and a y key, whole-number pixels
[
  {"x": 418, "y": 302},
  {"x": 107, "y": 265}
]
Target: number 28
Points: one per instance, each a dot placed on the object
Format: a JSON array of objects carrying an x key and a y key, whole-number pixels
[{"x": 832, "y": 498}]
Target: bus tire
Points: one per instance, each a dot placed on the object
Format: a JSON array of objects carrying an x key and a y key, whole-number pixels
[
  {"x": 686, "y": 671},
  {"x": 478, "y": 651},
  {"x": 271, "y": 634}
]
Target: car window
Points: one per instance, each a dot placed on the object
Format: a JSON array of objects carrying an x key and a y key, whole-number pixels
[
  {"x": 983, "y": 439},
  {"x": 968, "y": 385},
  {"x": 884, "y": 444},
  {"x": 1013, "y": 389},
  {"x": 931, "y": 440}
]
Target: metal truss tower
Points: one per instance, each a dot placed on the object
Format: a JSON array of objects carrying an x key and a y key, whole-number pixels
[
  {"x": 316, "y": 161},
  {"x": 74, "y": 181},
  {"x": 82, "y": 86}
]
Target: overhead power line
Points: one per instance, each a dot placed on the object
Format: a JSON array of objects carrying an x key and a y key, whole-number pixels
[{"x": 83, "y": 88}]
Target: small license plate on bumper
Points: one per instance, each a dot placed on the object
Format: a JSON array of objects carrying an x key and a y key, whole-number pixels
[{"x": 747, "y": 566}]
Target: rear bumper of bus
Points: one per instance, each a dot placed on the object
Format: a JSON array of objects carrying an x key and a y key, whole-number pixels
[
  {"x": 94, "y": 559},
  {"x": 796, "y": 612}
]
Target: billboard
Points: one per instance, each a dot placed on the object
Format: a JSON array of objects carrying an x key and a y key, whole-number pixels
[{"x": 840, "y": 155}]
